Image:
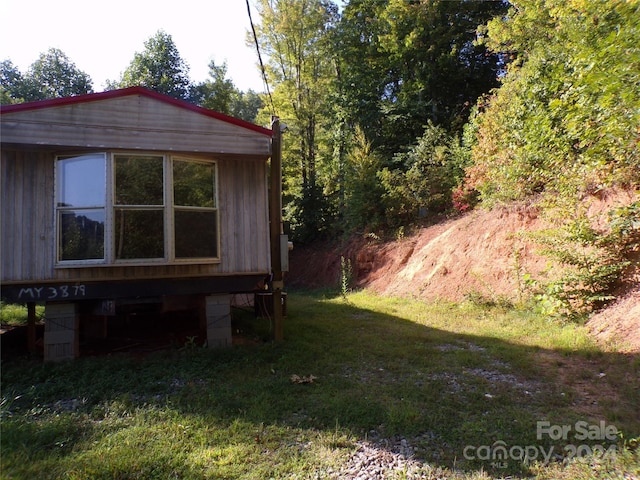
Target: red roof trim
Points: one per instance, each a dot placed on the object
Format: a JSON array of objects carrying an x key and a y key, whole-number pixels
[{"x": 124, "y": 92}]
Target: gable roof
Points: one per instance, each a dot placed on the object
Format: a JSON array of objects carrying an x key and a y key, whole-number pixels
[
  {"x": 124, "y": 92},
  {"x": 134, "y": 119}
]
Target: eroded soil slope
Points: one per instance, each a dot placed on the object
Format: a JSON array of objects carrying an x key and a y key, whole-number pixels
[{"x": 483, "y": 253}]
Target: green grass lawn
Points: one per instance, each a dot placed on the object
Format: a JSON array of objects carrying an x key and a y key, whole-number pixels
[
  {"x": 12, "y": 315},
  {"x": 456, "y": 381}
]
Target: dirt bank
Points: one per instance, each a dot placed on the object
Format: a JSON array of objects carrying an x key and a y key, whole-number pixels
[{"x": 483, "y": 253}]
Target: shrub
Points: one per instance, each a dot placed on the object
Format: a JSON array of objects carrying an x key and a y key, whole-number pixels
[
  {"x": 421, "y": 181},
  {"x": 593, "y": 261}
]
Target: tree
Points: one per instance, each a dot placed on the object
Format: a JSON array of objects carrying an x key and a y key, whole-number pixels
[
  {"x": 52, "y": 75},
  {"x": 11, "y": 83},
  {"x": 440, "y": 70},
  {"x": 423, "y": 179},
  {"x": 220, "y": 94},
  {"x": 363, "y": 190},
  {"x": 404, "y": 63},
  {"x": 295, "y": 35},
  {"x": 409, "y": 74},
  {"x": 159, "y": 67},
  {"x": 565, "y": 120},
  {"x": 563, "y": 126},
  {"x": 362, "y": 68},
  {"x": 246, "y": 105}
]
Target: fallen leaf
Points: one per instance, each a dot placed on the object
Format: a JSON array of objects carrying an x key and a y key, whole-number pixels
[{"x": 304, "y": 379}]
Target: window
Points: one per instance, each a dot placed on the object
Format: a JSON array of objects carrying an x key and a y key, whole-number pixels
[
  {"x": 195, "y": 213},
  {"x": 80, "y": 205},
  {"x": 139, "y": 208}
]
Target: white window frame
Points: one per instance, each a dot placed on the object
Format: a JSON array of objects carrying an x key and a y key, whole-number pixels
[
  {"x": 169, "y": 210},
  {"x": 58, "y": 209}
]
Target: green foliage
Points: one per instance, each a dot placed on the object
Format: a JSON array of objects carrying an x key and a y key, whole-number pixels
[
  {"x": 356, "y": 89},
  {"x": 592, "y": 262},
  {"x": 15, "y": 314},
  {"x": 624, "y": 223},
  {"x": 11, "y": 84},
  {"x": 403, "y": 63},
  {"x": 363, "y": 191},
  {"x": 346, "y": 276},
  {"x": 246, "y": 105},
  {"x": 310, "y": 215},
  {"x": 422, "y": 180},
  {"x": 52, "y": 75},
  {"x": 159, "y": 67},
  {"x": 361, "y": 67},
  {"x": 565, "y": 120},
  {"x": 295, "y": 35},
  {"x": 563, "y": 125},
  {"x": 220, "y": 94}
]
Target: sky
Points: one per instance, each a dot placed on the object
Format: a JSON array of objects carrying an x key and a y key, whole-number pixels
[{"x": 101, "y": 38}]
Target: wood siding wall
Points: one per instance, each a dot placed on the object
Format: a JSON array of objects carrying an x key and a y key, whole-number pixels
[
  {"x": 27, "y": 245},
  {"x": 244, "y": 216},
  {"x": 26, "y": 205}
]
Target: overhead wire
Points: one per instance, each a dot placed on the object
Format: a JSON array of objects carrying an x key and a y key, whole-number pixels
[{"x": 264, "y": 73}]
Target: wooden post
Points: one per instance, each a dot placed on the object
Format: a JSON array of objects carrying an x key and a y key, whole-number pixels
[{"x": 276, "y": 229}]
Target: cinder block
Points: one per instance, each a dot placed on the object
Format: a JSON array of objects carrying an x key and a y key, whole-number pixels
[
  {"x": 218, "y": 313},
  {"x": 60, "y": 310},
  {"x": 218, "y": 299},
  {"x": 61, "y": 332},
  {"x": 219, "y": 337}
]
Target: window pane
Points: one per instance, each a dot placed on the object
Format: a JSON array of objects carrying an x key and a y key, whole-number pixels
[
  {"x": 139, "y": 234},
  {"x": 193, "y": 184},
  {"x": 196, "y": 234},
  {"x": 81, "y": 234},
  {"x": 139, "y": 180},
  {"x": 81, "y": 181}
]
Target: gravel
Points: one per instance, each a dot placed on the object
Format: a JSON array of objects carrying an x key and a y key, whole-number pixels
[{"x": 382, "y": 459}]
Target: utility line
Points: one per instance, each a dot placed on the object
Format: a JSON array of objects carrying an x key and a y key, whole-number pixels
[{"x": 264, "y": 73}]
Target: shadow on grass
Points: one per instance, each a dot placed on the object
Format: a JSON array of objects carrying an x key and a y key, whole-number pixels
[{"x": 458, "y": 400}]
